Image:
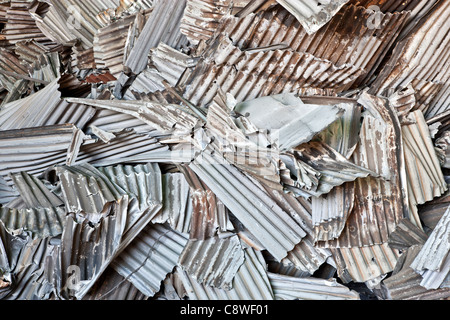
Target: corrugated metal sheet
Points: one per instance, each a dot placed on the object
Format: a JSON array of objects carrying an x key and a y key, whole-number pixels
[
  {"x": 7, "y": 193},
  {"x": 377, "y": 208},
  {"x": 86, "y": 189},
  {"x": 113, "y": 287},
  {"x": 110, "y": 42},
  {"x": 31, "y": 274},
  {"x": 425, "y": 178},
  {"x": 10, "y": 63},
  {"x": 209, "y": 216},
  {"x": 44, "y": 108},
  {"x": 113, "y": 121},
  {"x": 343, "y": 134},
  {"x": 288, "y": 119},
  {"x": 19, "y": 25},
  {"x": 163, "y": 25},
  {"x": 177, "y": 203},
  {"x": 290, "y": 288},
  {"x": 404, "y": 284},
  {"x": 343, "y": 41},
  {"x": 125, "y": 147},
  {"x": 330, "y": 212},
  {"x": 305, "y": 256},
  {"x": 33, "y": 192},
  {"x": 151, "y": 257},
  {"x": 365, "y": 263},
  {"x": 40, "y": 222},
  {"x": 164, "y": 118},
  {"x": 67, "y": 20},
  {"x": 406, "y": 235},
  {"x": 251, "y": 74},
  {"x": 142, "y": 182},
  {"x": 421, "y": 55},
  {"x": 213, "y": 262},
  {"x": 269, "y": 223},
  {"x": 432, "y": 261},
  {"x": 313, "y": 15},
  {"x": 34, "y": 150},
  {"x": 166, "y": 64},
  {"x": 88, "y": 248},
  {"x": 251, "y": 282},
  {"x": 333, "y": 167},
  {"x": 201, "y": 17}
]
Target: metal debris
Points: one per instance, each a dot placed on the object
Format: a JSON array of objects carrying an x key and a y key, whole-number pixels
[{"x": 224, "y": 150}]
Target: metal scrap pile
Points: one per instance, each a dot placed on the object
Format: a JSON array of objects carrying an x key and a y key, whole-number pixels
[{"x": 224, "y": 149}]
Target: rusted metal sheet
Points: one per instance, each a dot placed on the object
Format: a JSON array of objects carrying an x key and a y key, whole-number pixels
[{"x": 251, "y": 74}]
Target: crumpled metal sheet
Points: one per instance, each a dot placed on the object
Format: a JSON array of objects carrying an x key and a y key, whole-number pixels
[{"x": 313, "y": 15}]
